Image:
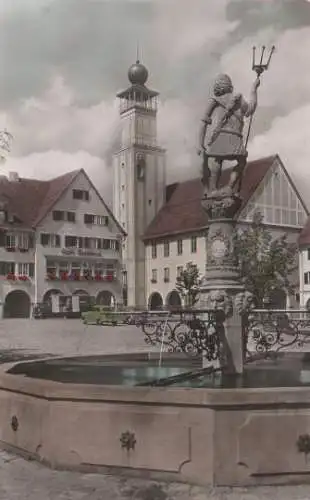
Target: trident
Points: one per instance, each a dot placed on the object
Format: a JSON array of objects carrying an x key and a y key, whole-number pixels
[{"x": 259, "y": 68}]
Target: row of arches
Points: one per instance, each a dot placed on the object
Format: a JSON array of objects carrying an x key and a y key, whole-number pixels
[
  {"x": 156, "y": 301},
  {"x": 277, "y": 300},
  {"x": 17, "y": 303},
  {"x": 104, "y": 297}
]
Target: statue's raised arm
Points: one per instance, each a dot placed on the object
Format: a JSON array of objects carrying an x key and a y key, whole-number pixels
[{"x": 249, "y": 108}]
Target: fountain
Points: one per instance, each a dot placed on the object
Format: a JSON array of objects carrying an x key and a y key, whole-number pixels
[{"x": 204, "y": 409}]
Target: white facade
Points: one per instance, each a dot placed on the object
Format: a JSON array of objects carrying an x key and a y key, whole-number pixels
[
  {"x": 17, "y": 257},
  {"x": 139, "y": 188},
  {"x": 277, "y": 201},
  {"x": 162, "y": 269},
  {"x": 68, "y": 255}
]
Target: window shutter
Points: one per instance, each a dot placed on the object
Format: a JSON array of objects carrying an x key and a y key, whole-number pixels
[
  {"x": 31, "y": 241},
  {"x": 3, "y": 268},
  {"x": 45, "y": 238},
  {"x": 31, "y": 270},
  {"x": 2, "y": 238}
]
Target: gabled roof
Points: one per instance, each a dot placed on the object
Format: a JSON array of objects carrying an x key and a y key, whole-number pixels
[
  {"x": 30, "y": 200},
  {"x": 54, "y": 190},
  {"x": 293, "y": 185},
  {"x": 183, "y": 212},
  {"x": 121, "y": 229}
]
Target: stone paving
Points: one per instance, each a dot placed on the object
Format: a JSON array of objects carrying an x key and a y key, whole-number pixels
[{"x": 27, "y": 480}]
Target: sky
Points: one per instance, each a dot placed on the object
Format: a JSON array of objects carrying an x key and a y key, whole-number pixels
[{"x": 63, "y": 61}]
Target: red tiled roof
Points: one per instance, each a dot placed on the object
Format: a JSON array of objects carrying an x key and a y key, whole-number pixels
[
  {"x": 30, "y": 199},
  {"x": 304, "y": 237},
  {"x": 183, "y": 211}
]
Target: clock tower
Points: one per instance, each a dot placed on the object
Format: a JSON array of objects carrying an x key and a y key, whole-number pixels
[{"x": 139, "y": 177}]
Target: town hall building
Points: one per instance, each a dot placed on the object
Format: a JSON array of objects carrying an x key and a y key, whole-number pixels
[{"x": 58, "y": 239}]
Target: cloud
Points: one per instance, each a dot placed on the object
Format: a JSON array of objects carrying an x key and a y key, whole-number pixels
[
  {"x": 289, "y": 136},
  {"x": 177, "y": 133},
  {"x": 286, "y": 84},
  {"x": 284, "y": 91},
  {"x": 53, "y": 134},
  {"x": 195, "y": 24},
  {"x": 52, "y": 163},
  {"x": 55, "y": 120},
  {"x": 65, "y": 60},
  {"x": 53, "y": 112}
]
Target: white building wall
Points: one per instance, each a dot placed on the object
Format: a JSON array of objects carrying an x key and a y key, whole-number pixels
[
  {"x": 78, "y": 228},
  {"x": 172, "y": 263},
  {"x": 199, "y": 258},
  {"x": 15, "y": 259},
  {"x": 19, "y": 259}
]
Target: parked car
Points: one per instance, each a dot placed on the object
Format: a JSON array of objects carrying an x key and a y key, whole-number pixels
[{"x": 102, "y": 315}]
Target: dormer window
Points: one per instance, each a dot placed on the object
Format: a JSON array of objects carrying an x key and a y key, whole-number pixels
[{"x": 80, "y": 194}]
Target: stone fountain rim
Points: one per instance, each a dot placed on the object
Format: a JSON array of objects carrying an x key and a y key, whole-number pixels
[{"x": 217, "y": 398}]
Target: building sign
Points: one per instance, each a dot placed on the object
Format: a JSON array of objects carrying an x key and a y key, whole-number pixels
[
  {"x": 81, "y": 251},
  {"x": 67, "y": 251}
]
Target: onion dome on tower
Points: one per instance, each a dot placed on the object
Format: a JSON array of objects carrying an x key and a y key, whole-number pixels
[
  {"x": 138, "y": 95},
  {"x": 138, "y": 74}
]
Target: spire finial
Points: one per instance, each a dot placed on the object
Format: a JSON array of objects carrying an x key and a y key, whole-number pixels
[{"x": 138, "y": 53}]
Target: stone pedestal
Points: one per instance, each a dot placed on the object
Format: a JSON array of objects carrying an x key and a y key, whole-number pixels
[{"x": 221, "y": 287}]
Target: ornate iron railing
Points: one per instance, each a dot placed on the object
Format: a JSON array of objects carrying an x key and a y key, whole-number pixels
[
  {"x": 191, "y": 331},
  {"x": 267, "y": 331}
]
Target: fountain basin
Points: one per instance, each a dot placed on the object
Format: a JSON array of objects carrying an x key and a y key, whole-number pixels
[{"x": 208, "y": 434}]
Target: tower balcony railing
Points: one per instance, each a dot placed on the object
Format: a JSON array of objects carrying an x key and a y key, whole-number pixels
[
  {"x": 128, "y": 104},
  {"x": 140, "y": 140}
]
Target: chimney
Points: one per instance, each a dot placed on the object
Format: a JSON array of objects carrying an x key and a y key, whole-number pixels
[{"x": 13, "y": 177}]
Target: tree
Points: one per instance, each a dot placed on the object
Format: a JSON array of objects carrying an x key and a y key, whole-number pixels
[
  {"x": 187, "y": 284},
  {"x": 266, "y": 263},
  {"x": 5, "y": 143}
]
